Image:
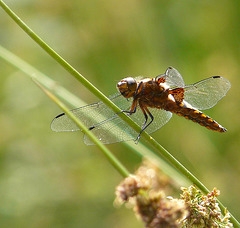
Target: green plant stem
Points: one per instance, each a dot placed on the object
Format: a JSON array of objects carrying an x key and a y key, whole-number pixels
[
  {"x": 161, "y": 151},
  {"x": 42, "y": 78},
  {"x": 58, "y": 58},
  {"x": 61, "y": 92},
  {"x": 111, "y": 158}
]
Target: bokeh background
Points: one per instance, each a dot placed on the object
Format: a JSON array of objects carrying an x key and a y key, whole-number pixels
[{"x": 50, "y": 179}]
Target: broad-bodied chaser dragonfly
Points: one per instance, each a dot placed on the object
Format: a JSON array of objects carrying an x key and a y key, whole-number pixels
[{"x": 142, "y": 98}]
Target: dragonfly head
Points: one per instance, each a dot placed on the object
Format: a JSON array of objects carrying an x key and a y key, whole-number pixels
[{"x": 127, "y": 87}]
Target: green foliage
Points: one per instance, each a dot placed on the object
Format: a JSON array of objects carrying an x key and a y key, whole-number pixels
[{"x": 44, "y": 179}]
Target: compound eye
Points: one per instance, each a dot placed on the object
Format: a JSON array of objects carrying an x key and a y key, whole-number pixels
[
  {"x": 127, "y": 87},
  {"x": 132, "y": 84}
]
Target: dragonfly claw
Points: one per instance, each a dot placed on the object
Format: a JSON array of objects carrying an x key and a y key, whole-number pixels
[{"x": 137, "y": 139}]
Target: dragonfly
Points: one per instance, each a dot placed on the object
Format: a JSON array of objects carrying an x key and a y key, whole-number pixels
[{"x": 149, "y": 102}]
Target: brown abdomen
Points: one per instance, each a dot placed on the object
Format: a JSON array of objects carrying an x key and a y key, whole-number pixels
[{"x": 194, "y": 115}]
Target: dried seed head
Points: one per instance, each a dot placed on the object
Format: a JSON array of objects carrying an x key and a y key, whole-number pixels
[
  {"x": 158, "y": 211},
  {"x": 152, "y": 176},
  {"x": 151, "y": 204},
  {"x": 128, "y": 188},
  {"x": 145, "y": 191},
  {"x": 203, "y": 209}
]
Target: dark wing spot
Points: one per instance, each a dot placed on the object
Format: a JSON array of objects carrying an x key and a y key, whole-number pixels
[
  {"x": 62, "y": 114},
  {"x": 216, "y": 76},
  {"x": 91, "y": 128}
]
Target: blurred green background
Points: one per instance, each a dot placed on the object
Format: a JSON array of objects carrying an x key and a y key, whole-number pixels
[{"x": 50, "y": 179}]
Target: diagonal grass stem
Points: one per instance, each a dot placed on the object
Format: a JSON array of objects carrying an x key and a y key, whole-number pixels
[
  {"x": 162, "y": 152},
  {"x": 111, "y": 158}
]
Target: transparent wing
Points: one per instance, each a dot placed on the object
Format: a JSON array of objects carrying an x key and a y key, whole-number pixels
[
  {"x": 116, "y": 130},
  {"x": 206, "y": 93},
  {"x": 109, "y": 127},
  {"x": 90, "y": 114},
  {"x": 173, "y": 78}
]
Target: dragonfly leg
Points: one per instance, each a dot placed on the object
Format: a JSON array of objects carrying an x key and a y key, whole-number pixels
[
  {"x": 132, "y": 110},
  {"x": 128, "y": 112},
  {"x": 135, "y": 100},
  {"x": 144, "y": 109}
]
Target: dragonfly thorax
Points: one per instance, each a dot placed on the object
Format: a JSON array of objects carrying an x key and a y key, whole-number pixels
[{"x": 127, "y": 87}]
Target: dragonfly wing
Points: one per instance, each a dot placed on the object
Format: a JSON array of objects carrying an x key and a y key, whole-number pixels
[
  {"x": 117, "y": 130},
  {"x": 90, "y": 114},
  {"x": 206, "y": 93},
  {"x": 161, "y": 117},
  {"x": 173, "y": 78},
  {"x": 112, "y": 131}
]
